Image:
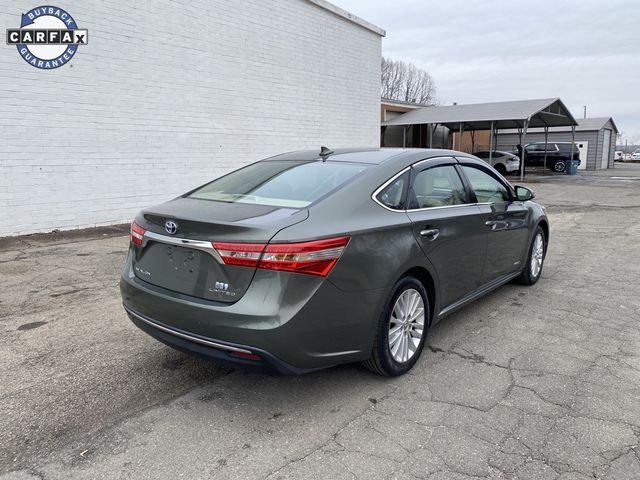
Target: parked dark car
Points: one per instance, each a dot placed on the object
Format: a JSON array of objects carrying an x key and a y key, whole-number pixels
[
  {"x": 306, "y": 260},
  {"x": 556, "y": 153}
]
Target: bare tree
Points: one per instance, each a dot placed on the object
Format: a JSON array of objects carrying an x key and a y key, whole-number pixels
[
  {"x": 630, "y": 140},
  {"x": 405, "y": 81}
]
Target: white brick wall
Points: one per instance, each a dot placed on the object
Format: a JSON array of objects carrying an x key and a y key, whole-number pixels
[{"x": 168, "y": 95}]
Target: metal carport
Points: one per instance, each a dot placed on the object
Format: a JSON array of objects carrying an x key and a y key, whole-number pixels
[{"x": 520, "y": 114}]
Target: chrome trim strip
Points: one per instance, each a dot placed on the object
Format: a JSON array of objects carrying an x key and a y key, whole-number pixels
[
  {"x": 477, "y": 204},
  {"x": 201, "y": 341},
  {"x": 444, "y": 206},
  {"x": 385, "y": 185},
  {"x": 202, "y": 245},
  {"x": 420, "y": 162}
]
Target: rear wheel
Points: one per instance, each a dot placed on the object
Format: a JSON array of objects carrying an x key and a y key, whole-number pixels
[
  {"x": 402, "y": 328},
  {"x": 558, "y": 166},
  {"x": 533, "y": 268}
]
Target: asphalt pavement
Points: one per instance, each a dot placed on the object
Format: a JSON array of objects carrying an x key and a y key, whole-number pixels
[{"x": 537, "y": 382}]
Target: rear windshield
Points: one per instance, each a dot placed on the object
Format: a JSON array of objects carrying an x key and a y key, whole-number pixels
[{"x": 280, "y": 183}]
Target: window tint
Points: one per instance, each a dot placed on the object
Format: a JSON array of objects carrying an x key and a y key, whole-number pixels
[
  {"x": 280, "y": 183},
  {"x": 482, "y": 154},
  {"x": 538, "y": 147},
  {"x": 393, "y": 195},
  {"x": 437, "y": 187},
  {"x": 565, "y": 147},
  {"x": 486, "y": 188}
]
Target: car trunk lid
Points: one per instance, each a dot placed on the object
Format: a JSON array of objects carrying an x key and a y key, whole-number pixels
[{"x": 185, "y": 260}]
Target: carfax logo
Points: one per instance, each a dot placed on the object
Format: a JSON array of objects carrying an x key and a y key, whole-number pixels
[{"x": 48, "y": 37}]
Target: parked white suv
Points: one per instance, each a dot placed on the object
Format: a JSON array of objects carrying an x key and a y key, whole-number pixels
[{"x": 503, "y": 162}]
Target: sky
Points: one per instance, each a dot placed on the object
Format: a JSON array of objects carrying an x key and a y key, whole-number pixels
[{"x": 586, "y": 52}]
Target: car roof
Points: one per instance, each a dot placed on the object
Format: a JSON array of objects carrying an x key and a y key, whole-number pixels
[{"x": 375, "y": 156}]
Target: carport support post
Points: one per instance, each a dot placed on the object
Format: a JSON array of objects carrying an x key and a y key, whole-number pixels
[
  {"x": 404, "y": 136},
  {"x": 491, "y": 146},
  {"x": 523, "y": 138},
  {"x": 460, "y": 141},
  {"x": 573, "y": 139},
  {"x": 546, "y": 140},
  {"x": 432, "y": 132}
]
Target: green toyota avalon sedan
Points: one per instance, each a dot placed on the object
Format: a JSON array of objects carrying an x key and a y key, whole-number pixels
[{"x": 311, "y": 259}]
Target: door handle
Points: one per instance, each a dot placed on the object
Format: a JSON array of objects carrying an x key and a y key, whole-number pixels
[
  {"x": 491, "y": 223},
  {"x": 431, "y": 233}
]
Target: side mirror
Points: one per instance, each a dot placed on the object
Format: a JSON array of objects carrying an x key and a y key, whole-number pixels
[{"x": 523, "y": 193}]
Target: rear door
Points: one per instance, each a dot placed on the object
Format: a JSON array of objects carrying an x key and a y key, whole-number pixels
[
  {"x": 503, "y": 217},
  {"x": 448, "y": 227}
]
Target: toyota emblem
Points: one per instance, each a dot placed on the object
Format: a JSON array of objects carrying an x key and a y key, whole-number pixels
[{"x": 171, "y": 227}]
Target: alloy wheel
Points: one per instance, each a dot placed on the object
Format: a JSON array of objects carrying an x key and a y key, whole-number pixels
[
  {"x": 406, "y": 325},
  {"x": 537, "y": 255}
]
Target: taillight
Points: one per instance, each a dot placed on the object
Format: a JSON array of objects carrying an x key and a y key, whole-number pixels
[
  {"x": 314, "y": 258},
  {"x": 137, "y": 233},
  {"x": 243, "y": 254}
]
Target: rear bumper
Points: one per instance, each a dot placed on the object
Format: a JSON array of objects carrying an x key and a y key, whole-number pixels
[
  {"x": 221, "y": 352},
  {"x": 296, "y": 323}
]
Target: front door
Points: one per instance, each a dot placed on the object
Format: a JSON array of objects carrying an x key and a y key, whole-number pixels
[
  {"x": 448, "y": 228},
  {"x": 531, "y": 156},
  {"x": 504, "y": 218}
]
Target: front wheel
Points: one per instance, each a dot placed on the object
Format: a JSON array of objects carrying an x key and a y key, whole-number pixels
[
  {"x": 402, "y": 328},
  {"x": 533, "y": 268},
  {"x": 501, "y": 169}
]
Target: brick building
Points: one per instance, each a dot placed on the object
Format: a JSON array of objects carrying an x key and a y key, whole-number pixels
[{"x": 168, "y": 95}]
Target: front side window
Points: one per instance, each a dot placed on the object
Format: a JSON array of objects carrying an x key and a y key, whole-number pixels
[
  {"x": 486, "y": 188},
  {"x": 393, "y": 195},
  {"x": 536, "y": 147},
  {"x": 280, "y": 183},
  {"x": 437, "y": 187}
]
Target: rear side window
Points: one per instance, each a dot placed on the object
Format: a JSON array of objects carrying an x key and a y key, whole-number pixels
[
  {"x": 437, "y": 187},
  {"x": 280, "y": 183},
  {"x": 486, "y": 188},
  {"x": 393, "y": 195},
  {"x": 565, "y": 147}
]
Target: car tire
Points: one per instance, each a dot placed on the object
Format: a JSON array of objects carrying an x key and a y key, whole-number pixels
[
  {"x": 501, "y": 169},
  {"x": 383, "y": 360},
  {"x": 535, "y": 259},
  {"x": 559, "y": 166}
]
